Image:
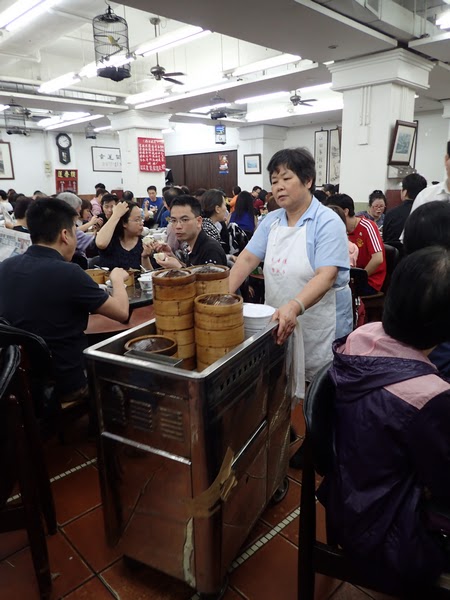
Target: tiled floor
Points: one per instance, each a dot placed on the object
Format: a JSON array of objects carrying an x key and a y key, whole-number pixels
[{"x": 85, "y": 568}]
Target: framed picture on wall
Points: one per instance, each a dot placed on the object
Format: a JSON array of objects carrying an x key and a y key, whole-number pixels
[
  {"x": 334, "y": 157},
  {"x": 6, "y": 163},
  {"x": 402, "y": 143},
  {"x": 106, "y": 159},
  {"x": 321, "y": 156},
  {"x": 252, "y": 164}
]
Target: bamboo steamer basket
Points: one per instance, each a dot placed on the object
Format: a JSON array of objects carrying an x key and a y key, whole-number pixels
[
  {"x": 217, "y": 310},
  {"x": 174, "y": 308},
  {"x": 189, "y": 364},
  {"x": 210, "y": 355},
  {"x": 222, "y": 338},
  {"x": 201, "y": 366},
  {"x": 175, "y": 323},
  {"x": 183, "y": 337},
  {"x": 98, "y": 275},
  {"x": 213, "y": 281},
  {"x": 223, "y": 322},
  {"x": 178, "y": 288},
  {"x": 129, "y": 281},
  {"x": 153, "y": 344},
  {"x": 186, "y": 351}
]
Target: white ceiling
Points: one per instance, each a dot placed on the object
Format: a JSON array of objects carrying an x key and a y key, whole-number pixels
[{"x": 61, "y": 41}]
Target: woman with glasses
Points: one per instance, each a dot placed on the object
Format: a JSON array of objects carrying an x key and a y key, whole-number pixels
[
  {"x": 377, "y": 207},
  {"x": 119, "y": 240}
]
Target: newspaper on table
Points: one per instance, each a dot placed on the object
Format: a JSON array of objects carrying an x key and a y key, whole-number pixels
[{"x": 13, "y": 242}]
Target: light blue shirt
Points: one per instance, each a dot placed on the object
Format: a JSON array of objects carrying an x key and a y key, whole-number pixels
[
  {"x": 326, "y": 246},
  {"x": 326, "y": 238}
]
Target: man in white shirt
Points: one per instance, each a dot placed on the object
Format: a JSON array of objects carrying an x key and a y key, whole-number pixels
[{"x": 441, "y": 191}]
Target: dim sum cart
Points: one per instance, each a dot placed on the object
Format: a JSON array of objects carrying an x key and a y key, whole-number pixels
[{"x": 188, "y": 461}]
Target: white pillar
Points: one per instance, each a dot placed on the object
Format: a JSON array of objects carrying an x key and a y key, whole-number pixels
[
  {"x": 132, "y": 124},
  {"x": 258, "y": 139},
  {"x": 377, "y": 91},
  {"x": 446, "y": 115}
]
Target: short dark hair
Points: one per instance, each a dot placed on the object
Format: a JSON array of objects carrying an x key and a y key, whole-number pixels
[
  {"x": 329, "y": 187},
  {"x": 256, "y": 187},
  {"x": 100, "y": 192},
  {"x": 85, "y": 204},
  {"x": 414, "y": 184},
  {"x": 21, "y": 207},
  {"x": 236, "y": 190},
  {"x": 344, "y": 201},
  {"x": 298, "y": 160},
  {"x": 185, "y": 200},
  {"x": 3, "y": 195},
  {"x": 119, "y": 230},
  {"x": 109, "y": 198},
  {"x": 416, "y": 305},
  {"x": 321, "y": 196},
  {"x": 199, "y": 193},
  {"x": 151, "y": 187},
  {"x": 376, "y": 195},
  {"x": 170, "y": 194},
  {"x": 100, "y": 185},
  {"x": 47, "y": 217},
  {"x": 127, "y": 195},
  {"x": 210, "y": 200},
  {"x": 428, "y": 225},
  {"x": 185, "y": 189}
]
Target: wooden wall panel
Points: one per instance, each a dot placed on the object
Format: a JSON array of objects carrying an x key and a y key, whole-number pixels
[
  {"x": 176, "y": 163},
  {"x": 202, "y": 170}
]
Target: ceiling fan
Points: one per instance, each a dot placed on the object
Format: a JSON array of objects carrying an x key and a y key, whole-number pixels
[
  {"x": 221, "y": 109},
  {"x": 158, "y": 72},
  {"x": 296, "y": 100}
]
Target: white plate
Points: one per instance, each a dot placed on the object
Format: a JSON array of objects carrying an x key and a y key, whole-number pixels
[{"x": 254, "y": 311}]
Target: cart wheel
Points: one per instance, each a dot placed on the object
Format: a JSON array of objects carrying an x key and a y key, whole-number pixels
[
  {"x": 217, "y": 596},
  {"x": 132, "y": 564},
  {"x": 281, "y": 491}
]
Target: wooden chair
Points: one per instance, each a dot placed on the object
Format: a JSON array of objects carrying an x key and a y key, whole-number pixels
[
  {"x": 374, "y": 304},
  {"x": 22, "y": 461},
  {"x": 314, "y": 556}
]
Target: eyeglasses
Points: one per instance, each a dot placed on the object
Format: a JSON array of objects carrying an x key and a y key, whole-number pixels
[
  {"x": 139, "y": 220},
  {"x": 182, "y": 221}
]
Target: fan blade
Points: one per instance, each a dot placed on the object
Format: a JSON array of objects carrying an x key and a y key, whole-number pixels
[
  {"x": 303, "y": 103},
  {"x": 310, "y": 100},
  {"x": 172, "y": 80},
  {"x": 177, "y": 74}
]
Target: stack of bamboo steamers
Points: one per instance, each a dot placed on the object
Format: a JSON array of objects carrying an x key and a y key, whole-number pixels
[{"x": 193, "y": 307}]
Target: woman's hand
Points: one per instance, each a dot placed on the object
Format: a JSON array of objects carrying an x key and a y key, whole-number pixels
[
  {"x": 286, "y": 316},
  {"x": 120, "y": 209}
]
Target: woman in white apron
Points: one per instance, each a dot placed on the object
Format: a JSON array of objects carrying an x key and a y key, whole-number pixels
[{"x": 306, "y": 267}]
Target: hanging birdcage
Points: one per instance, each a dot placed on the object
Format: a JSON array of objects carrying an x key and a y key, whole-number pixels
[
  {"x": 112, "y": 51},
  {"x": 15, "y": 119},
  {"x": 89, "y": 132}
]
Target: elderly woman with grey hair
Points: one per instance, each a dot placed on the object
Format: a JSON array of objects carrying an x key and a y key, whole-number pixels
[{"x": 85, "y": 241}]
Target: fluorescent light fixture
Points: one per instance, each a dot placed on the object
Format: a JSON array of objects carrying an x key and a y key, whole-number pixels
[
  {"x": 262, "y": 98},
  {"x": 168, "y": 130},
  {"x": 272, "y": 113},
  {"x": 3, "y": 107},
  {"x": 268, "y": 63},
  {"x": 444, "y": 20},
  {"x": 180, "y": 36},
  {"x": 58, "y": 83},
  {"x": 331, "y": 62},
  {"x": 23, "y": 12},
  {"x": 74, "y": 122},
  {"x": 89, "y": 70},
  {"x": 104, "y": 128},
  {"x": 205, "y": 109},
  {"x": 144, "y": 96},
  {"x": 198, "y": 116},
  {"x": 117, "y": 60},
  {"x": 66, "y": 116}
]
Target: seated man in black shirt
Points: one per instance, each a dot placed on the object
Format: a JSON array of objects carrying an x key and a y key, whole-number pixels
[
  {"x": 42, "y": 292},
  {"x": 395, "y": 218},
  {"x": 200, "y": 249}
]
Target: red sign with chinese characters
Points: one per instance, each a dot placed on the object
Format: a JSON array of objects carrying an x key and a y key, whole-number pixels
[
  {"x": 66, "y": 180},
  {"x": 152, "y": 156}
]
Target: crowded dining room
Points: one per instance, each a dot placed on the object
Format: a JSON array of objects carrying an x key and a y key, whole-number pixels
[{"x": 224, "y": 284}]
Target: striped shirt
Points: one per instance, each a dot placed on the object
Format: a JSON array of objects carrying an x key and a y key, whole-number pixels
[{"x": 368, "y": 239}]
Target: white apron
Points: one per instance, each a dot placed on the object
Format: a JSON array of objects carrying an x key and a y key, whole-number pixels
[{"x": 286, "y": 272}]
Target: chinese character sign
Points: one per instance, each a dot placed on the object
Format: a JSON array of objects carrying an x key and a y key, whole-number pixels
[
  {"x": 152, "y": 156},
  {"x": 321, "y": 156},
  {"x": 106, "y": 159},
  {"x": 66, "y": 180}
]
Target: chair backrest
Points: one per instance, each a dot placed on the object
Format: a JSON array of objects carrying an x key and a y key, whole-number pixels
[
  {"x": 358, "y": 281},
  {"x": 33, "y": 345},
  {"x": 318, "y": 408},
  {"x": 392, "y": 259}
]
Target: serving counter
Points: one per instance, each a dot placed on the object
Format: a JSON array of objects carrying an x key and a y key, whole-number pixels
[{"x": 189, "y": 460}]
